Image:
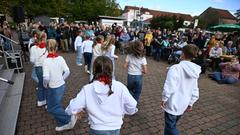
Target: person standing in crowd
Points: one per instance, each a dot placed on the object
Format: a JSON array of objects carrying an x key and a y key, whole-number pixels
[
  {"x": 51, "y": 31},
  {"x": 87, "y": 48},
  {"x": 8, "y": 35},
  {"x": 180, "y": 90},
  {"x": 38, "y": 54},
  {"x": 148, "y": 39},
  {"x": 106, "y": 101},
  {"x": 108, "y": 49},
  {"x": 230, "y": 72},
  {"x": 124, "y": 40},
  {"x": 64, "y": 37},
  {"x": 136, "y": 64},
  {"x": 78, "y": 47},
  {"x": 55, "y": 72}
]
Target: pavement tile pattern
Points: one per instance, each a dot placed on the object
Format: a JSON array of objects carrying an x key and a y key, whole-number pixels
[{"x": 217, "y": 112}]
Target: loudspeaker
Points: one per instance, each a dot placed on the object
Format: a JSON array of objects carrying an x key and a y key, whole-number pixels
[{"x": 18, "y": 14}]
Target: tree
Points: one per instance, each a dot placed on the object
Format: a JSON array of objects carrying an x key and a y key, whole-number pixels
[
  {"x": 76, "y": 9},
  {"x": 169, "y": 22}
]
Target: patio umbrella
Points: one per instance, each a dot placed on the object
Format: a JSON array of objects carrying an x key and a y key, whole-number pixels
[{"x": 226, "y": 27}]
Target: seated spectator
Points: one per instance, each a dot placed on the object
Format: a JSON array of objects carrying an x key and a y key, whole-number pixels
[
  {"x": 201, "y": 61},
  {"x": 214, "y": 55},
  {"x": 228, "y": 49},
  {"x": 230, "y": 72}
]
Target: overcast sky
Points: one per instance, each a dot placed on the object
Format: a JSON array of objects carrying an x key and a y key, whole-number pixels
[{"x": 193, "y": 7}]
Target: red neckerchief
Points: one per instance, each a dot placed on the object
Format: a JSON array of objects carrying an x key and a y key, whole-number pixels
[
  {"x": 104, "y": 78},
  {"x": 52, "y": 55},
  {"x": 41, "y": 44}
]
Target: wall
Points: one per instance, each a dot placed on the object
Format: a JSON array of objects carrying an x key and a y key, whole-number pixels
[{"x": 109, "y": 22}]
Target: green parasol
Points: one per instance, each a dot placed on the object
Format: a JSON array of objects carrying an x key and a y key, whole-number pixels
[{"x": 226, "y": 27}]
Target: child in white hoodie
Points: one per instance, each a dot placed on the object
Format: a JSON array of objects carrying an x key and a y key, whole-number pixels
[
  {"x": 180, "y": 90},
  {"x": 105, "y": 100}
]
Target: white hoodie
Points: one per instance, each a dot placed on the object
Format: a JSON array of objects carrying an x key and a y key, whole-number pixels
[
  {"x": 181, "y": 87},
  {"x": 105, "y": 112}
]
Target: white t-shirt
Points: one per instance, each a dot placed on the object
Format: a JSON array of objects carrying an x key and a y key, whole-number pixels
[
  {"x": 78, "y": 42},
  {"x": 87, "y": 46},
  {"x": 135, "y": 65},
  {"x": 37, "y": 55},
  {"x": 54, "y": 69},
  {"x": 110, "y": 52}
]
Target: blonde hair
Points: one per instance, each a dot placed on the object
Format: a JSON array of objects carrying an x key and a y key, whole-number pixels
[
  {"x": 40, "y": 36},
  {"x": 110, "y": 40},
  {"x": 52, "y": 45}
]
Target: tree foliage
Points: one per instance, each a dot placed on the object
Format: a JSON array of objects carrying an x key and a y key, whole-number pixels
[
  {"x": 169, "y": 22},
  {"x": 74, "y": 9}
]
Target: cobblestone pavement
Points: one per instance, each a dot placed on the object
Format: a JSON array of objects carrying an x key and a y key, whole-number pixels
[{"x": 217, "y": 112}]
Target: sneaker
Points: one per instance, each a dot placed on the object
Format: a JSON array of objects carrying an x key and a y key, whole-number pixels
[
  {"x": 79, "y": 64},
  {"x": 41, "y": 103},
  {"x": 73, "y": 120},
  {"x": 68, "y": 126},
  {"x": 85, "y": 68},
  {"x": 88, "y": 71}
]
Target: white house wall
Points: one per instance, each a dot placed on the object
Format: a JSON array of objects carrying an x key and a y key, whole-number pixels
[{"x": 109, "y": 22}]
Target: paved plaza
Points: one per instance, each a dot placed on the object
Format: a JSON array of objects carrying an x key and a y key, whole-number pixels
[{"x": 217, "y": 112}]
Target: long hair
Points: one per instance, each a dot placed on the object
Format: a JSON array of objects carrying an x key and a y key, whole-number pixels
[
  {"x": 110, "y": 40},
  {"x": 52, "y": 45},
  {"x": 102, "y": 71},
  {"x": 136, "y": 48}
]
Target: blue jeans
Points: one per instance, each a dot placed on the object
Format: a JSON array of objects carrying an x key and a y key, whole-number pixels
[
  {"x": 171, "y": 124},
  {"x": 134, "y": 85},
  {"x": 157, "y": 53},
  {"x": 54, "y": 105},
  {"x": 228, "y": 80},
  {"x": 88, "y": 59},
  {"x": 104, "y": 132},
  {"x": 41, "y": 92},
  {"x": 34, "y": 75},
  {"x": 79, "y": 55}
]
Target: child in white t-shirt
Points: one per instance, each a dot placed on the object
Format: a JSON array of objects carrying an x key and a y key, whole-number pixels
[
  {"x": 87, "y": 47},
  {"x": 137, "y": 66},
  {"x": 108, "y": 49}
]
